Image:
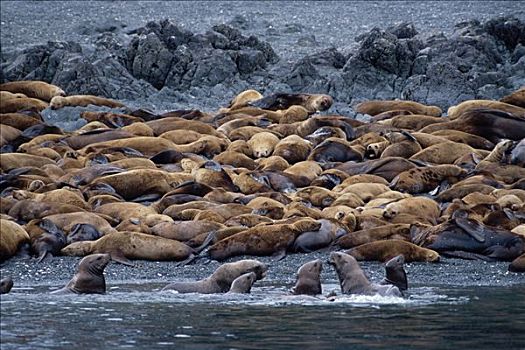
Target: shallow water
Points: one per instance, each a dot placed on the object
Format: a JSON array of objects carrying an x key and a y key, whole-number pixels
[{"x": 139, "y": 316}]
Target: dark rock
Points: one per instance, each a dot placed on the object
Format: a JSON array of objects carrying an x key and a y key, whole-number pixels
[
  {"x": 307, "y": 40},
  {"x": 511, "y": 31},
  {"x": 404, "y": 30}
]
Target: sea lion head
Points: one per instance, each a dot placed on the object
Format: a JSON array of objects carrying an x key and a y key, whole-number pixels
[
  {"x": 57, "y": 102},
  {"x": 243, "y": 283},
  {"x": 351, "y": 277},
  {"x": 320, "y": 102},
  {"x": 308, "y": 278},
  {"x": 94, "y": 263},
  {"x": 225, "y": 274},
  {"x": 78, "y": 248},
  {"x": 5, "y": 285}
]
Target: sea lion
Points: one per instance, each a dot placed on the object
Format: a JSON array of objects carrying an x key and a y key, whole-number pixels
[
  {"x": 12, "y": 237},
  {"x": 474, "y": 141},
  {"x": 353, "y": 280},
  {"x": 89, "y": 277},
  {"x": 466, "y": 238},
  {"x": 244, "y": 98},
  {"x": 33, "y": 88},
  {"x": 6, "y": 95},
  {"x": 313, "y": 240},
  {"x": 412, "y": 122},
  {"x": 386, "y": 250},
  {"x": 243, "y": 283},
  {"x": 27, "y": 210},
  {"x": 309, "y": 279},
  {"x": 5, "y": 285},
  {"x": 235, "y": 159},
  {"x": 113, "y": 120},
  {"x": 375, "y": 107},
  {"x": 9, "y": 161},
  {"x": 21, "y": 104},
  {"x": 395, "y": 273},
  {"x": 262, "y": 240},
  {"x": 387, "y": 168},
  {"x": 517, "y": 156},
  {"x": 58, "y": 102},
  {"x": 312, "y": 102},
  {"x": 48, "y": 241},
  {"x": 518, "y": 264},
  {"x": 422, "y": 207},
  {"x": 20, "y": 121},
  {"x": 263, "y": 144},
  {"x": 391, "y": 231},
  {"x": 293, "y": 148},
  {"x": 517, "y": 98},
  {"x": 220, "y": 281},
  {"x": 336, "y": 150},
  {"x": 443, "y": 153},
  {"x": 458, "y": 110},
  {"x": 123, "y": 246},
  {"x": 419, "y": 180},
  {"x": 83, "y": 232}
]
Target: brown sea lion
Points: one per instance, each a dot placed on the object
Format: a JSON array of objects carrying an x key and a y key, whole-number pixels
[
  {"x": 517, "y": 98},
  {"x": 244, "y": 98},
  {"x": 95, "y": 136},
  {"x": 262, "y": 240},
  {"x": 473, "y": 141},
  {"x": 9, "y": 161},
  {"x": 5, "y": 285},
  {"x": 418, "y": 180},
  {"x": 6, "y": 95},
  {"x": 309, "y": 279},
  {"x": 235, "y": 159},
  {"x": 387, "y": 168},
  {"x": 46, "y": 239},
  {"x": 422, "y": 207},
  {"x": 33, "y": 88},
  {"x": 412, "y": 122},
  {"x": 58, "y": 102},
  {"x": 443, "y": 153},
  {"x": 518, "y": 264},
  {"x": 353, "y": 280},
  {"x": 391, "y": 231},
  {"x": 113, "y": 120},
  {"x": 89, "y": 277},
  {"x": 26, "y": 210},
  {"x": 12, "y": 237},
  {"x": 20, "y": 121},
  {"x": 456, "y": 111},
  {"x": 385, "y": 250},
  {"x": 375, "y": 107},
  {"x": 272, "y": 163},
  {"x": 21, "y": 104},
  {"x": 293, "y": 148},
  {"x": 263, "y": 144},
  {"x": 243, "y": 283},
  {"x": 184, "y": 230},
  {"x": 220, "y": 281},
  {"x": 123, "y": 246}
]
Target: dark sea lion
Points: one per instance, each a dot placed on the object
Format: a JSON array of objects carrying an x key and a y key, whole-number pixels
[
  {"x": 334, "y": 149},
  {"x": 518, "y": 264},
  {"x": 49, "y": 241},
  {"x": 387, "y": 249},
  {"x": 517, "y": 156},
  {"x": 220, "y": 281},
  {"x": 94, "y": 136},
  {"x": 89, "y": 278},
  {"x": 395, "y": 273},
  {"x": 469, "y": 239},
  {"x": 309, "y": 279},
  {"x": 262, "y": 240},
  {"x": 83, "y": 232},
  {"x": 310, "y": 241},
  {"x": 5, "y": 285},
  {"x": 311, "y": 102},
  {"x": 354, "y": 281},
  {"x": 243, "y": 283}
]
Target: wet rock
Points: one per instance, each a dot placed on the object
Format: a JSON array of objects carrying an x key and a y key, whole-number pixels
[
  {"x": 403, "y": 30},
  {"x": 511, "y": 31}
]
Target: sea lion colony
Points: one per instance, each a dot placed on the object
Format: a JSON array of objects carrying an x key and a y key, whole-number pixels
[{"x": 262, "y": 176}]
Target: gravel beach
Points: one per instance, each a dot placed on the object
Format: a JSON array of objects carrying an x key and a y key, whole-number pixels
[{"x": 294, "y": 29}]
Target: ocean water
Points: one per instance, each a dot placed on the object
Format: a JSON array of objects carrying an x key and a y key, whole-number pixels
[{"x": 139, "y": 316}]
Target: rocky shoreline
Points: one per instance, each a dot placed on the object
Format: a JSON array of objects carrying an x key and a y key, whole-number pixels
[{"x": 164, "y": 65}]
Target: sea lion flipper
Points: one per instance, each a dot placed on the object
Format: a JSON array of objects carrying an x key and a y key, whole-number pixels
[
  {"x": 44, "y": 256},
  {"x": 187, "y": 261},
  {"x": 461, "y": 254},
  {"x": 209, "y": 239},
  {"x": 118, "y": 256},
  {"x": 472, "y": 227},
  {"x": 279, "y": 255}
]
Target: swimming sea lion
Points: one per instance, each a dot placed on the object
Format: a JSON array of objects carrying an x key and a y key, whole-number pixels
[
  {"x": 5, "y": 285},
  {"x": 353, "y": 280},
  {"x": 243, "y": 283},
  {"x": 395, "y": 273},
  {"x": 309, "y": 279},
  {"x": 89, "y": 278},
  {"x": 220, "y": 281}
]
